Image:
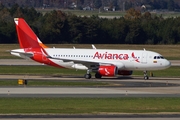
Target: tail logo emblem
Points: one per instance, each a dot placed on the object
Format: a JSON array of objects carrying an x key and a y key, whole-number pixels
[{"x": 134, "y": 57}]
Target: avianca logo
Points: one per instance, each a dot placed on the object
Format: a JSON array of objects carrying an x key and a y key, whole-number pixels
[
  {"x": 107, "y": 72},
  {"x": 135, "y": 58},
  {"x": 107, "y": 55}
]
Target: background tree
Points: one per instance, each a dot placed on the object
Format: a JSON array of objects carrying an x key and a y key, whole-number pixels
[
  {"x": 171, "y": 5},
  {"x": 128, "y": 5},
  {"x": 132, "y": 14},
  {"x": 97, "y": 3},
  {"x": 136, "y": 34},
  {"x": 76, "y": 29},
  {"x": 58, "y": 27},
  {"x": 53, "y": 27}
]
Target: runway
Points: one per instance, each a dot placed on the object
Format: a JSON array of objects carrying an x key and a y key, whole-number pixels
[
  {"x": 94, "y": 117},
  {"x": 121, "y": 87},
  {"x": 98, "y": 118},
  {"x": 126, "y": 87}
]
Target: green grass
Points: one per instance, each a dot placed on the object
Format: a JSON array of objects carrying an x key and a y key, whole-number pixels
[
  {"x": 52, "y": 71},
  {"x": 39, "y": 70},
  {"x": 88, "y": 105},
  {"x": 173, "y": 71},
  {"x": 54, "y": 83}
]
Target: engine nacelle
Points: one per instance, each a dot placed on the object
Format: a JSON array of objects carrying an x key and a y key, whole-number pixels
[
  {"x": 124, "y": 72},
  {"x": 108, "y": 70}
]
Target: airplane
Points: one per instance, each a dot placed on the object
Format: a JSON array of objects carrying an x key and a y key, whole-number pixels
[{"x": 104, "y": 62}]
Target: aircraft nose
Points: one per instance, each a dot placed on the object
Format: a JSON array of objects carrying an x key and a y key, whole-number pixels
[{"x": 167, "y": 63}]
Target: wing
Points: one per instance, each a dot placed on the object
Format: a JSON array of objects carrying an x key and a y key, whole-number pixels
[{"x": 90, "y": 63}]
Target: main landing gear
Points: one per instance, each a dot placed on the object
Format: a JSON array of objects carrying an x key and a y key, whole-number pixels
[
  {"x": 146, "y": 77},
  {"x": 87, "y": 75},
  {"x": 97, "y": 75}
]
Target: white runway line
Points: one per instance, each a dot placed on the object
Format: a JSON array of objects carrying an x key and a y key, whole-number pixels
[{"x": 69, "y": 90}]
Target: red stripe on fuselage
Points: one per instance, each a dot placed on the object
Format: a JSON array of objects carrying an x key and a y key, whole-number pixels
[{"x": 38, "y": 56}]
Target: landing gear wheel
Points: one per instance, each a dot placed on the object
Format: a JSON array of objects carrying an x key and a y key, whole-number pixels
[
  {"x": 87, "y": 76},
  {"x": 145, "y": 75},
  {"x": 97, "y": 75}
]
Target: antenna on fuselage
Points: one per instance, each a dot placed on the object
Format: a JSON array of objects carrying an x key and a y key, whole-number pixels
[
  {"x": 93, "y": 46},
  {"x": 144, "y": 49}
]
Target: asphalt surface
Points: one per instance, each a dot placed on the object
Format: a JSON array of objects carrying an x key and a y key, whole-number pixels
[
  {"x": 96, "y": 117},
  {"x": 122, "y": 87},
  {"x": 126, "y": 87}
]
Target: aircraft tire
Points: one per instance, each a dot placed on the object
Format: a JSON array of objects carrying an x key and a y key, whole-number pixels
[
  {"x": 97, "y": 75},
  {"x": 87, "y": 76},
  {"x": 146, "y": 77}
]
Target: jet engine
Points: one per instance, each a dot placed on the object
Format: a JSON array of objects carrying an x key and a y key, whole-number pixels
[{"x": 109, "y": 70}]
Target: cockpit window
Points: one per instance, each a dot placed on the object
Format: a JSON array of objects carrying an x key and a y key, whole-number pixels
[
  {"x": 158, "y": 57},
  {"x": 162, "y": 57}
]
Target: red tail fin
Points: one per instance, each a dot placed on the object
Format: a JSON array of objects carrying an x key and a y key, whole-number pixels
[{"x": 27, "y": 38}]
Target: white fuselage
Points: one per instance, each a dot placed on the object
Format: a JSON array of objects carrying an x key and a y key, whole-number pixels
[{"x": 123, "y": 59}]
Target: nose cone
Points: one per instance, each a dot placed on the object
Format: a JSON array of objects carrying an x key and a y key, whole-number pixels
[{"x": 167, "y": 63}]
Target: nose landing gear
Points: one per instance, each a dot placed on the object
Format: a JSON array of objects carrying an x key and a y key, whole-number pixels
[{"x": 146, "y": 77}]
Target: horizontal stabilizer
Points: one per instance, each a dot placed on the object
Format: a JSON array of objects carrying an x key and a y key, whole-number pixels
[{"x": 28, "y": 54}]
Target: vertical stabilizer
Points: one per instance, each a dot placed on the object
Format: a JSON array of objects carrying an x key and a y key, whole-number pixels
[{"x": 27, "y": 38}]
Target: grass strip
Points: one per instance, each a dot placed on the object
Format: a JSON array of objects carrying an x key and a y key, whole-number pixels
[
  {"x": 48, "y": 70},
  {"x": 88, "y": 105},
  {"x": 39, "y": 70},
  {"x": 53, "y": 83}
]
